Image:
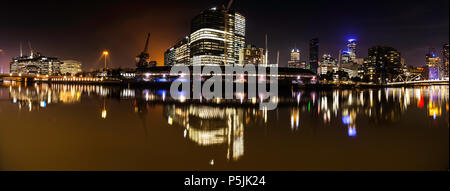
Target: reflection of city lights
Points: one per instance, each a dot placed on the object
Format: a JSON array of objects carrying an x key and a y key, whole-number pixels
[
  {"x": 43, "y": 104},
  {"x": 421, "y": 102},
  {"x": 182, "y": 99},
  {"x": 351, "y": 131},
  {"x": 104, "y": 113},
  {"x": 346, "y": 120},
  {"x": 170, "y": 120}
]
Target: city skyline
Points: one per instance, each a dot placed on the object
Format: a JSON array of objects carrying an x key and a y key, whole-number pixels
[{"x": 114, "y": 29}]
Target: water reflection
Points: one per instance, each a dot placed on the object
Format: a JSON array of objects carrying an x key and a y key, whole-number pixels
[
  {"x": 225, "y": 123},
  {"x": 209, "y": 126}
]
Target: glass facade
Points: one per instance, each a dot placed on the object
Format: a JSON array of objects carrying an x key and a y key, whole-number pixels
[{"x": 217, "y": 37}]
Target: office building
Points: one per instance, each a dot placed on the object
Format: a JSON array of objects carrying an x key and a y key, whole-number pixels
[
  {"x": 170, "y": 57},
  {"x": 217, "y": 36},
  {"x": 433, "y": 62},
  {"x": 294, "y": 61},
  {"x": 445, "y": 66},
  {"x": 70, "y": 67},
  {"x": 382, "y": 65},
  {"x": 251, "y": 55},
  {"x": 35, "y": 64},
  {"x": 327, "y": 64},
  {"x": 313, "y": 55}
]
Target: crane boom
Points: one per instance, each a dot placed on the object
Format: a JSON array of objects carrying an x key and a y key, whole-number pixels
[
  {"x": 146, "y": 43},
  {"x": 229, "y": 4}
]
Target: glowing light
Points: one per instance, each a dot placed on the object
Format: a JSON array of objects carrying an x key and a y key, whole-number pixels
[
  {"x": 346, "y": 120},
  {"x": 43, "y": 104},
  {"x": 105, "y": 53},
  {"x": 170, "y": 120},
  {"x": 104, "y": 114},
  {"x": 351, "y": 131}
]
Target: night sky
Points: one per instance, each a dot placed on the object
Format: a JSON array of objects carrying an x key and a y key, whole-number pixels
[{"x": 82, "y": 30}]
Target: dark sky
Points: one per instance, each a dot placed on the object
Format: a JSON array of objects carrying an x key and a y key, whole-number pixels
[{"x": 81, "y": 30}]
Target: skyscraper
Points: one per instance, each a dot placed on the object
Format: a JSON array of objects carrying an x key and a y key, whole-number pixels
[
  {"x": 383, "y": 64},
  {"x": 445, "y": 66},
  {"x": 170, "y": 57},
  {"x": 294, "y": 61},
  {"x": 314, "y": 54},
  {"x": 433, "y": 62},
  {"x": 351, "y": 48},
  {"x": 348, "y": 57},
  {"x": 217, "y": 36}
]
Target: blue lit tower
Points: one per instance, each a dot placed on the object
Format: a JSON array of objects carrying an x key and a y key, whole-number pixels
[
  {"x": 433, "y": 62},
  {"x": 351, "y": 48}
]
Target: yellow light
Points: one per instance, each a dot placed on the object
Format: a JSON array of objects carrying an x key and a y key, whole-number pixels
[
  {"x": 105, "y": 53},
  {"x": 104, "y": 113}
]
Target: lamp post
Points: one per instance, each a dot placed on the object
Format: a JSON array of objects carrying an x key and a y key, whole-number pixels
[{"x": 105, "y": 53}]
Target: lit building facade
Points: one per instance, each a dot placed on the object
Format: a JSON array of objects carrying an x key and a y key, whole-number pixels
[
  {"x": 251, "y": 55},
  {"x": 34, "y": 65},
  {"x": 170, "y": 57},
  {"x": 70, "y": 67},
  {"x": 327, "y": 64},
  {"x": 351, "y": 48},
  {"x": 445, "y": 66},
  {"x": 433, "y": 62},
  {"x": 313, "y": 55},
  {"x": 294, "y": 61},
  {"x": 348, "y": 57},
  {"x": 217, "y": 36},
  {"x": 382, "y": 65}
]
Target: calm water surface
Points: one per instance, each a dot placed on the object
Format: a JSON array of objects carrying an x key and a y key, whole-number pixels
[{"x": 88, "y": 127}]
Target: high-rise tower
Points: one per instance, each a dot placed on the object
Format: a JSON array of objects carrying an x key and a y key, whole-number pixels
[
  {"x": 217, "y": 36},
  {"x": 313, "y": 55}
]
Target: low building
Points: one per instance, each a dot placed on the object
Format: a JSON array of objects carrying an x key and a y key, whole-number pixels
[
  {"x": 36, "y": 64},
  {"x": 327, "y": 64},
  {"x": 70, "y": 67},
  {"x": 251, "y": 55}
]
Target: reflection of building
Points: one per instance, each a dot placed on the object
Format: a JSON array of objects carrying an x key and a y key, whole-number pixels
[
  {"x": 70, "y": 67},
  {"x": 40, "y": 96},
  {"x": 212, "y": 126},
  {"x": 217, "y": 36}
]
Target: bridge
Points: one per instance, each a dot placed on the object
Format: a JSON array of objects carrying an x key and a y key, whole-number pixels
[
  {"x": 420, "y": 82},
  {"x": 416, "y": 80}
]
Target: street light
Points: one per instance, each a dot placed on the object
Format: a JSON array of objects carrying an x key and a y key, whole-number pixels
[{"x": 105, "y": 53}]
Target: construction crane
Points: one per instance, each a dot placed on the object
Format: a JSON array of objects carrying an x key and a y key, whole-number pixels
[{"x": 142, "y": 59}]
